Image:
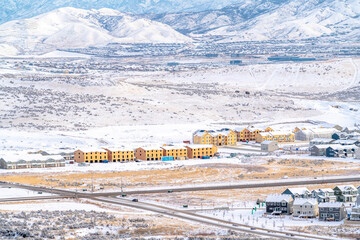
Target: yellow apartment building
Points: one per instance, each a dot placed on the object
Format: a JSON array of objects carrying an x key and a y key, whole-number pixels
[
  {"x": 296, "y": 130},
  {"x": 279, "y": 136},
  {"x": 221, "y": 137},
  {"x": 244, "y": 135},
  {"x": 123, "y": 155},
  {"x": 249, "y": 133},
  {"x": 268, "y": 129},
  {"x": 202, "y": 137},
  {"x": 91, "y": 155},
  {"x": 149, "y": 153},
  {"x": 201, "y": 150},
  {"x": 177, "y": 152}
]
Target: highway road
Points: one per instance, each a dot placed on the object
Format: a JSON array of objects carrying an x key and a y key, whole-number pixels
[
  {"x": 201, "y": 187},
  {"x": 182, "y": 214},
  {"x": 245, "y": 185}
]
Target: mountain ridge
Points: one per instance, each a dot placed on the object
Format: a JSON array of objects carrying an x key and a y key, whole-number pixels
[
  {"x": 271, "y": 20},
  {"x": 21, "y": 9},
  {"x": 73, "y": 28}
]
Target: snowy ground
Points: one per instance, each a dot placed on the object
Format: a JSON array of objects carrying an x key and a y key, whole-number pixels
[
  {"x": 44, "y": 108},
  {"x": 257, "y": 218},
  {"x": 60, "y": 105},
  {"x": 6, "y": 192},
  {"x": 62, "y": 205},
  {"x": 46, "y": 98}
]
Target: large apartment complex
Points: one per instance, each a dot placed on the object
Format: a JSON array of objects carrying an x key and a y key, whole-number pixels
[
  {"x": 221, "y": 137},
  {"x": 249, "y": 133},
  {"x": 91, "y": 155},
  {"x": 201, "y": 150},
  {"x": 278, "y": 136}
]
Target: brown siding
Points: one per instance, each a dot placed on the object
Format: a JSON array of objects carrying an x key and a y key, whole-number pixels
[
  {"x": 190, "y": 152},
  {"x": 109, "y": 154},
  {"x": 79, "y": 156},
  {"x": 140, "y": 154}
]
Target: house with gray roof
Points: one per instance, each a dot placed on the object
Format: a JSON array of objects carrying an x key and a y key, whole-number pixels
[
  {"x": 279, "y": 204},
  {"x": 305, "y": 207},
  {"x": 332, "y": 211},
  {"x": 321, "y": 141},
  {"x": 24, "y": 160},
  {"x": 346, "y": 193},
  {"x": 300, "y": 192},
  {"x": 269, "y": 146},
  {"x": 337, "y": 150},
  {"x": 324, "y": 195},
  {"x": 346, "y": 141},
  {"x": 355, "y": 210},
  {"x": 319, "y": 150},
  {"x": 309, "y": 134}
]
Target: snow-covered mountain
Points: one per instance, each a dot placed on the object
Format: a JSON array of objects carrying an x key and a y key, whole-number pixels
[
  {"x": 19, "y": 9},
  {"x": 72, "y": 28},
  {"x": 247, "y": 20},
  {"x": 272, "y": 19}
]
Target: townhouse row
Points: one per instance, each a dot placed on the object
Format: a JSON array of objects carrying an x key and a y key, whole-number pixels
[
  {"x": 327, "y": 204},
  {"x": 145, "y": 153}
]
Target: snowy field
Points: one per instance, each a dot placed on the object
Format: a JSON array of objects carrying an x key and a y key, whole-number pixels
[
  {"x": 6, "y": 192},
  {"x": 45, "y": 97},
  {"x": 42, "y": 109},
  {"x": 62, "y": 205}
]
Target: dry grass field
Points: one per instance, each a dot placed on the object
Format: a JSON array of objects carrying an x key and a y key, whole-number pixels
[{"x": 201, "y": 173}]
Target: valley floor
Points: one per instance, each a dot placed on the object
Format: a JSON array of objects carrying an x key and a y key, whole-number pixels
[{"x": 42, "y": 109}]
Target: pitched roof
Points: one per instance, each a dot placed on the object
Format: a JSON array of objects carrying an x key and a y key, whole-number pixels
[
  {"x": 173, "y": 147},
  {"x": 15, "y": 157},
  {"x": 119, "y": 149},
  {"x": 276, "y": 133},
  {"x": 320, "y": 131},
  {"x": 336, "y": 146},
  {"x": 301, "y": 201},
  {"x": 346, "y": 187},
  {"x": 200, "y": 133},
  {"x": 343, "y": 147},
  {"x": 300, "y": 190},
  {"x": 279, "y": 198},
  {"x": 195, "y": 146},
  {"x": 92, "y": 149},
  {"x": 331, "y": 204},
  {"x": 149, "y": 148},
  {"x": 214, "y": 133},
  {"x": 322, "y": 140},
  {"x": 326, "y": 190}
]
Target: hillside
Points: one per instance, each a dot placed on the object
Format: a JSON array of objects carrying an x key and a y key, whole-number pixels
[
  {"x": 272, "y": 20},
  {"x": 20, "y": 9},
  {"x": 72, "y": 28}
]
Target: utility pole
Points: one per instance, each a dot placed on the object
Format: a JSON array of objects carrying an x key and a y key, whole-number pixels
[
  {"x": 121, "y": 186},
  {"x": 92, "y": 182}
]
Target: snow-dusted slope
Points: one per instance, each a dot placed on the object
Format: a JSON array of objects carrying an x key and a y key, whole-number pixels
[
  {"x": 19, "y": 9},
  {"x": 300, "y": 19},
  {"x": 71, "y": 28},
  {"x": 270, "y": 19}
]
